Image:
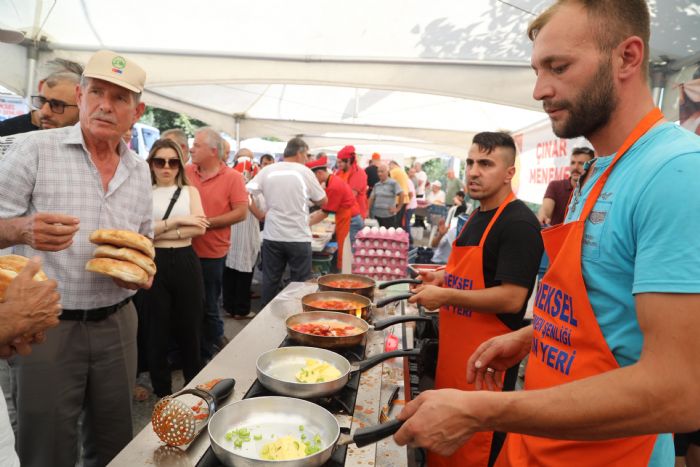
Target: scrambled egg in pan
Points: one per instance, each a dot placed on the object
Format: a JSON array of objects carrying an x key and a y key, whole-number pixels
[
  {"x": 285, "y": 448},
  {"x": 317, "y": 371}
]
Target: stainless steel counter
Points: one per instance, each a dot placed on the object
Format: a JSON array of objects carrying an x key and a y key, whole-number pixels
[{"x": 237, "y": 360}]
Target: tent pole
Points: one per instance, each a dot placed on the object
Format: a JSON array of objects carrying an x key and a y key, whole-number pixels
[
  {"x": 659, "y": 72},
  {"x": 238, "y": 132},
  {"x": 32, "y": 58}
]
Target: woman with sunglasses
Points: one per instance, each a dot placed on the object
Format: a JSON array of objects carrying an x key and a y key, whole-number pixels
[{"x": 175, "y": 303}]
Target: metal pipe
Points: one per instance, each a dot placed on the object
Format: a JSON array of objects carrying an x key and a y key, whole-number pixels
[{"x": 32, "y": 59}]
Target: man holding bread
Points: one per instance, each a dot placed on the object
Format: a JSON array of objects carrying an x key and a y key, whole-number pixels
[{"x": 63, "y": 190}]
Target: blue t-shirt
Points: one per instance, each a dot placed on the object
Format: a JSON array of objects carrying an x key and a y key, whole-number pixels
[{"x": 642, "y": 236}]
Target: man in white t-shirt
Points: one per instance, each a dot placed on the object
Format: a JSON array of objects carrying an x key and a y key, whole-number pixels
[
  {"x": 421, "y": 180},
  {"x": 287, "y": 187}
]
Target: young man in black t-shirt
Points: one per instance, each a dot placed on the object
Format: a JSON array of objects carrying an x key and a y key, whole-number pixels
[{"x": 484, "y": 289}]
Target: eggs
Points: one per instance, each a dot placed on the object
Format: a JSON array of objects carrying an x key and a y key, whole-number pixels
[
  {"x": 374, "y": 230},
  {"x": 392, "y": 230}
]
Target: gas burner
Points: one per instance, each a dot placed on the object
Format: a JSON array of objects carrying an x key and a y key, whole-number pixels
[{"x": 340, "y": 403}]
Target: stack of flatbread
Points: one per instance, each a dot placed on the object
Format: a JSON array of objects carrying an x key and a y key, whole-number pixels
[
  {"x": 10, "y": 266},
  {"x": 122, "y": 254}
]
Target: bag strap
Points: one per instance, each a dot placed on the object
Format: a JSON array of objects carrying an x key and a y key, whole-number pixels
[{"x": 173, "y": 200}]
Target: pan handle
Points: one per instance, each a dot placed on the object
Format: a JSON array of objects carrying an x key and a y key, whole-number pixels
[
  {"x": 371, "y": 434},
  {"x": 368, "y": 363},
  {"x": 386, "y": 284},
  {"x": 385, "y": 323},
  {"x": 222, "y": 389},
  {"x": 393, "y": 298}
]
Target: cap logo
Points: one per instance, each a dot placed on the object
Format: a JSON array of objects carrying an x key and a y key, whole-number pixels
[{"x": 118, "y": 63}]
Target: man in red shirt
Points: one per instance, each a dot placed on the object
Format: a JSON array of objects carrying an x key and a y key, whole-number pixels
[
  {"x": 354, "y": 176},
  {"x": 225, "y": 202},
  {"x": 558, "y": 192},
  {"x": 341, "y": 201}
]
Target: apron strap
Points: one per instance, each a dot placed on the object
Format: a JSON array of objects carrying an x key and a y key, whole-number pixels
[
  {"x": 640, "y": 130},
  {"x": 503, "y": 205}
]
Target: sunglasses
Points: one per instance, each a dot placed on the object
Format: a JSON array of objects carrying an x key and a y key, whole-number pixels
[
  {"x": 160, "y": 163},
  {"x": 57, "y": 107}
]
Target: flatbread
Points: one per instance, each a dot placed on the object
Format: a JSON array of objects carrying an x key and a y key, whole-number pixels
[
  {"x": 124, "y": 238},
  {"x": 10, "y": 267},
  {"x": 123, "y": 270},
  {"x": 16, "y": 263},
  {"x": 127, "y": 254}
]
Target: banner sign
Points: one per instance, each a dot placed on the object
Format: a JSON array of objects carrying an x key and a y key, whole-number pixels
[{"x": 542, "y": 158}]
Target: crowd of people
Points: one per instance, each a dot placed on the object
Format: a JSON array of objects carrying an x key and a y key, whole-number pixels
[{"x": 611, "y": 348}]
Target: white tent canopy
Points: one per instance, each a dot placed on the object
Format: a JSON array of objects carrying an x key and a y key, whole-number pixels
[{"x": 403, "y": 72}]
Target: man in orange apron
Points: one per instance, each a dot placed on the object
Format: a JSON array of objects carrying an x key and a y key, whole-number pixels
[
  {"x": 353, "y": 175},
  {"x": 613, "y": 346},
  {"x": 341, "y": 201},
  {"x": 488, "y": 279}
]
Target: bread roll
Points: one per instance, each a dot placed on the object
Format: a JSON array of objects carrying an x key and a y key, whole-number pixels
[
  {"x": 124, "y": 238},
  {"x": 127, "y": 254},
  {"x": 123, "y": 270},
  {"x": 16, "y": 263}
]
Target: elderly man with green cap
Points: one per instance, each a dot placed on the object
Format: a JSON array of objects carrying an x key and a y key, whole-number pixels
[{"x": 57, "y": 187}]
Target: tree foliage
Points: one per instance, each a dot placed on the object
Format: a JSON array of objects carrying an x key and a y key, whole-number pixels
[{"x": 165, "y": 120}]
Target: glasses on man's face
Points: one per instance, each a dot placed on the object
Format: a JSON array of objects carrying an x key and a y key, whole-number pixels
[
  {"x": 160, "y": 163},
  {"x": 57, "y": 107}
]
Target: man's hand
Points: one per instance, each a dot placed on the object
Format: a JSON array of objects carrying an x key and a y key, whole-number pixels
[
  {"x": 431, "y": 278},
  {"x": 29, "y": 308},
  {"x": 442, "y": 227},
  {"x": 430, "y": 296},
  {"x": 492, "y": 358},
  {"x": 132, "y": 285},
  {"x": 49, "y": 232},
  {"x": 440, "y": 421},
  {"x": 543, "y": 220}
]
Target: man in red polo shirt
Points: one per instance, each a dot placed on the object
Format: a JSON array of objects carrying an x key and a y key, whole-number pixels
[
  {"x": 556, "y": 198},
  {"x": 341, "y": 202},
  {"x": 225, "y": 202},
  {"x": 354, "y": 176}
]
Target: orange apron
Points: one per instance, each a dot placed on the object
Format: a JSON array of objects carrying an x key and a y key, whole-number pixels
[
  {"x": 461, "y": 332},
  {"x": 568, "y": 345}
]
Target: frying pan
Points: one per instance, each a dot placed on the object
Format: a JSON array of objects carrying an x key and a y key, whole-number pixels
[
  {"x": 365, "y": 309},
  {"x": 273, "y": 417},
  {"x": 367, "y": 290},
  {"x": 332, "y": 342},
  {"x": 277, "y": 368}
]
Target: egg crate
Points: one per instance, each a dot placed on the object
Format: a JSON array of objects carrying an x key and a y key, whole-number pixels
[
  {"x": 383, "y": 277},
  {"x": 379, "y": 261},
  {"x": 361, "y": 250},
  {"x": 401, "y": 237},
  {"x": 380, "y": 245}
]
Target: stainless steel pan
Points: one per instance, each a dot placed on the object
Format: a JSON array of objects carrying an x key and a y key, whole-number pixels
[
  {"x": 273, "y": 417},
  {"x": 331, "y": 342},
  {"x": 277, "y": 368}
]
